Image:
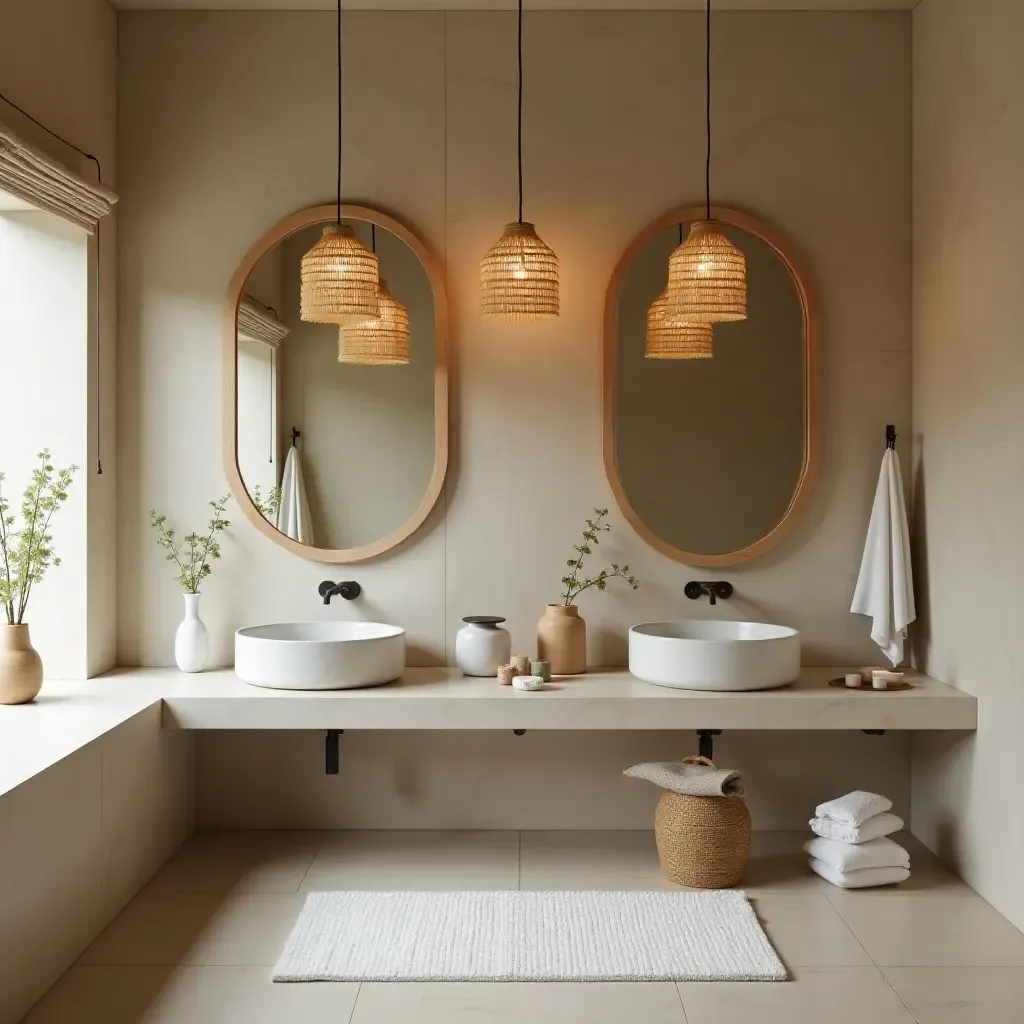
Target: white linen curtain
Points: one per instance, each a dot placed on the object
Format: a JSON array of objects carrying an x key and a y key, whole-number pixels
[{"x": 31, "y": 175}]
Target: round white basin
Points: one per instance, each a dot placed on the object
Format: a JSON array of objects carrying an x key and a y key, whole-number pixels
[
  {"x": 697, "y": 654},
  {"x": 319, "y": 655}
]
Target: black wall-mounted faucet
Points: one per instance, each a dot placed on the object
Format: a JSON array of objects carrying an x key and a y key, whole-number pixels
[
  {"x": 349, "y": 590},
  {"x": 717, "y": 590}
]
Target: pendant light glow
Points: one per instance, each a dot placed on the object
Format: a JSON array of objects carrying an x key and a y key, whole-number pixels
[
  {"x": 707, "y": 274},
  {"x": 519, "y": 273},
  {"x": 339, "y": 275},
  {"x": 339, "y": 279},
  {"x": 707, "y": 278},
  {"x": 667, "y": 340},
  {"x": 519, "y": 277}
]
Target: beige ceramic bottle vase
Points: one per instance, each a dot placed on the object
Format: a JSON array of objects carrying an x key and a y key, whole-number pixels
[
  {"x": 562, "y": 639},
  {"x": 21, "y": 670}
]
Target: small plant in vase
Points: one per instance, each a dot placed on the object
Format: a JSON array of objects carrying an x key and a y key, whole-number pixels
[
  {"x": 192, "y": 555},
  {"x": 561, "y": 633},
  {"x": 25, "y": 555}
]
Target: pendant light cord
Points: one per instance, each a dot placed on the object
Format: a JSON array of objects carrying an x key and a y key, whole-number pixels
[
  {"x": 99, "y": 179},
  {"x": 707, "y": 110},
  {"x": 339, "y": 111},
  {"x": 519, "y": 123}
]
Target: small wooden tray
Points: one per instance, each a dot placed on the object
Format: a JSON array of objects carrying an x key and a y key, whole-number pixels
[{"x": 840, "y": 683}]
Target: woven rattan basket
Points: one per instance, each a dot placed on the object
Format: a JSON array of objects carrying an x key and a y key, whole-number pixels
[{"x": 703, "y": 841}]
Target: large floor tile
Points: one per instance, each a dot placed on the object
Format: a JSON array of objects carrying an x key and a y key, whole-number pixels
[
  {"x": 188, "y": 995},
  {"x": 814, "y": 995},
  {"x": 165, "y": 929},
  {"x": 415, "y": 860},
  {"x": 532, "y": 1003},
  {"x": 806, "y": 931},
  {"x": 590, "y": 860},
  {"x": 932, "y": 931},
  {"x": 961, "y": 995},
  {"x": 220, "y": 862}
]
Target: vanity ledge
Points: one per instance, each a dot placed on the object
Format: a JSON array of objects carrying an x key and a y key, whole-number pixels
[{"x": 603, "y": 699}]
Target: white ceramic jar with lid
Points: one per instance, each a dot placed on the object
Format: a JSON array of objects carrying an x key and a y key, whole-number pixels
[{"x": 482, "y": 645}]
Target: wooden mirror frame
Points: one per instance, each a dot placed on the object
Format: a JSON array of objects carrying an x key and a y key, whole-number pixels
[
  {"x": 280, "y": 231},
  {"x": 811, "y": 383}
]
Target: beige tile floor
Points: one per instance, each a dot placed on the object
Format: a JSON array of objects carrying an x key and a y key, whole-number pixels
[{"x": 196, "y": 945}]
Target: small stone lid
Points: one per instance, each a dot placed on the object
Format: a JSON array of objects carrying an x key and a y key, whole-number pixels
[{"x": 483, "y": 620}]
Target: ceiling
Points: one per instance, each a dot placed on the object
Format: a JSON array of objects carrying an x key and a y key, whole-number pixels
[{"x": 485, "y": 5}]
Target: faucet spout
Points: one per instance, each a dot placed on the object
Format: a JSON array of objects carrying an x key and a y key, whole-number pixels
[{"x": 349, "y": 590}]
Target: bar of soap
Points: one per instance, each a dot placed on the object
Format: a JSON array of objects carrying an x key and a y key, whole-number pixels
[{"x": 528, "y": 683}]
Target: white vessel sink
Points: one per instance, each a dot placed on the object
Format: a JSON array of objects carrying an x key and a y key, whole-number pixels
[
  {"x": 697, "y": 654},
  {"x": 319, "y": 655}
]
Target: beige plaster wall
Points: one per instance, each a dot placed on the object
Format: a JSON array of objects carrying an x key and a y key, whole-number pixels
[
  {"x": 58, "y": 60},
  {"x": 969, "y": 422},
  {"x": 226, "y": 125}
]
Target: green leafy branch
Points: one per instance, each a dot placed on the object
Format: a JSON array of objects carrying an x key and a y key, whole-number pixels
[
  {"x": 195, "y": 552},
  {"x": 26, "y": 554},
  {"x": 268, "y": 506},
  {"x": 576, "y": 582}
]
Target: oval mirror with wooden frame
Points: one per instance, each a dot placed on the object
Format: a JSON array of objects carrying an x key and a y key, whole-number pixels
[
  {"x": 336, "y": 454},
  {"x": 712, "y": 460}
]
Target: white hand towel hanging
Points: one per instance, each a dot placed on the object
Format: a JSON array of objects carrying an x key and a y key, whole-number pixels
[
  {"x": 885, "y": 587},
  {"x": 293, "y": 518}
]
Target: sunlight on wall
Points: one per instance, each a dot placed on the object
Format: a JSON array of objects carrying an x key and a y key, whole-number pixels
[{"x": 43, "y": 367}]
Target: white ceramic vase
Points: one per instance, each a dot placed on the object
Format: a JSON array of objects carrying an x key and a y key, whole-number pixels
[
  {"x": 192, "y": 641},
  {"x": 481, "y": 646}
]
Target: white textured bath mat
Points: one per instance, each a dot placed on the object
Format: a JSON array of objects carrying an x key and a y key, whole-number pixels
[{"x": 528, "y": 936}]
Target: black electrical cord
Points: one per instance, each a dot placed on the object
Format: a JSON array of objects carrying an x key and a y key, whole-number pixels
[
  {"x": 96, "y": 297},
  {"x": 707, "y": 110},
  {"x": 339, "y": 111},
  {"x": 519, "y": 123}
]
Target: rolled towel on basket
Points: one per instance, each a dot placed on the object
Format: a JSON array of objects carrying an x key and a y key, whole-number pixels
[
  {"x": 874, "y": 828},
  {"x": 696, "y": 776},
  {"x": 864, "y": 878},
  {"x": 855, "y": 808},
  {"x": 844, "y": 857}
]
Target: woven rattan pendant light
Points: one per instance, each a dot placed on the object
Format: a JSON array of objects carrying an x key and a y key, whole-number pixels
[
  {"x": 707, "y": 274},
  {"x": 668, "y": 340},
  {"x": 519, "y": 273},
  {"x": 383, "y": 342},
  {"x": 339, "y": 275}
]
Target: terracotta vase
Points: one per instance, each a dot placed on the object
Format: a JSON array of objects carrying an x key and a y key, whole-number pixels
[
  {"x": 21, "y": 669},
  {"x": 562, "y": 640}
]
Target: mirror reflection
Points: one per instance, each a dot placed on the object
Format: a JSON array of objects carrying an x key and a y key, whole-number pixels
[
  {"x": 710, "y": 452},
  {"x": 334, "y": 454}
]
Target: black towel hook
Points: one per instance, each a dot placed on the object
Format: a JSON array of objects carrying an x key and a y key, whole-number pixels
[
  {"x": 890, "y": 436},
  {"x": 296, "y": 434}
]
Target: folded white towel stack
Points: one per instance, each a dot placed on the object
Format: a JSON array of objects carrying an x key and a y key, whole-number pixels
[{"x": 851, "y": 850}]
